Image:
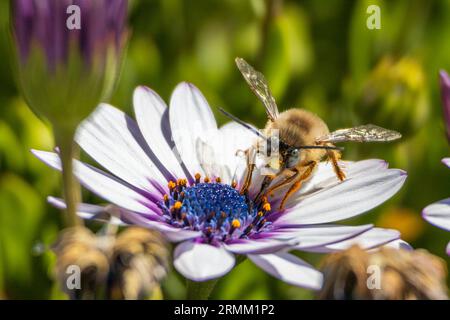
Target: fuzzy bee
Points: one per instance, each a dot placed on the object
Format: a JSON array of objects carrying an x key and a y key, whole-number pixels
[{"x": 303, "y": 140}]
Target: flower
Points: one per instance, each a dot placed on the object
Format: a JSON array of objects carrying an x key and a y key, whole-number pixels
[
  {"x": 197, "y": 203},
  {"x": 445, "y": 96},
  {"x": 68, "y": 54},
  {"x": 438, "y": 213}
]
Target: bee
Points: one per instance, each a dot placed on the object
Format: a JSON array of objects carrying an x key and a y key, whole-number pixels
[{"x": 303, "y": 140}]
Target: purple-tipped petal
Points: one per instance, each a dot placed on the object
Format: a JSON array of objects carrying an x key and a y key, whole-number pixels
[
  {"x": 110, "y": 137},
  {"x": 445, "y": 96},
  {"x": 438, "y": 214},
  {"x": 172, "y": 234},
  {"x": 373, "y": 238},
  {"x": 152, "y": 117},
  {"x": 259, "y": 246},
  {"x": 319, "y": 235},
  {"x": 345, "y": 200},
  {"x": 290, "y": 269},
  {"x": 91, "y": 212},
  {"x": 325, "y": 177},
  {"x": 202, "y": 262},
  {"x": 399, "y": 244},
  {"x": 446, "y": 161},
  {"x": 191, "y": 119},
  {"x": 102, "y": 184}
]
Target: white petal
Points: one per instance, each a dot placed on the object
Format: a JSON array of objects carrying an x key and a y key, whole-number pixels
[
  {"x": 446, "y": 161},
  {"x": 172, "y": 234},
  {"x": 102, "y": 184},
  {"x": 368, "y": 240},
  {"x": 290, "y": 269},
  {"x": 438, "y": 214},
  {"x": 345, "y": 200},
  {"x": 109, "y": 214},
  {"x": 201, "y": 262},
  {"x": 235, "y": 138},
  {"x": 150, "y": 111},
  {"x": 191, "y": 119},
  {"x": 258, "y": 246},
  {"x": 109, "y": 136},
  {"x": 448, "y": 249},
  {"x": 399, "y": 244},
  {"x": 325, "y": 177},
  {"x": 320, "y": 235}
]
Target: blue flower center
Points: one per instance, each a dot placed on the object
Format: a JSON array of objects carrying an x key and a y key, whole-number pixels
[{"x": 218, "y": 210}]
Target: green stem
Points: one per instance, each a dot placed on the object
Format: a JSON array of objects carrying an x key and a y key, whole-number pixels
[
  {"x": 71, "y": 188},
  {"x": 200, "y": 290}
]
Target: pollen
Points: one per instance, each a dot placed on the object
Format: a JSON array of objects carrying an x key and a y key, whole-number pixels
[
  {"x": 266, "y": 207},
  {"x": 234, "y": 184},
  {"x": 177, "y": 205},
  {"x": 236, "y": 223},
  {"x": 197, "y": 177},
  {"x": 218, "y": 180},
  {"x": 171, "y": 185},
  {"x": 206, "y": 180}
]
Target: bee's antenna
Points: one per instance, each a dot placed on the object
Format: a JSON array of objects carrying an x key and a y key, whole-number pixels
[
  {"x": 321, "y": 147},
  {"x": 242, "y": 123}
]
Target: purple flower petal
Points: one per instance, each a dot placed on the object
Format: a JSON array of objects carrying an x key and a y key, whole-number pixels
[
  {"x": 108, "y": 136},
  {"x": 318, "y": 235},
  {"x": 102, "y": 184},
  {"x": 202, "y": 262},
  {"x": 191, "y": 119},
  {"x": 172, "y": 234},
  {"x": 152, "y": 117},
  {"x": 446, "y": 161},
  {"x": 345, "y": 200},
  {"x": 445, "y": 96},
  {"x": 438, "y": 214},
  {"x": 368, "y": 240},
  {"x": 259, "y": 246}
]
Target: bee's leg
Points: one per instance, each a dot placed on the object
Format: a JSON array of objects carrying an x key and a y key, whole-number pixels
[
  {"x": 298, "y": 184},
  {"x": 285, "y": 181},
  {"x": 334, "y": 157},
  {"x": 251, "y": 157},
  {"x": 265, "y": 184}
]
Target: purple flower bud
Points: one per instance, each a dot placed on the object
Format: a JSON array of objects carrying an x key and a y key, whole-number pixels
[
  {"x": 445, "y": 96},
  {"x": 69, "y": 54},
  {"x": 51, "y": 25}
]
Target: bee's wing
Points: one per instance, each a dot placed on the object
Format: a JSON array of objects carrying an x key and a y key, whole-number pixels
[
  {"x": 365, "y": 133},
  {"x": 259, "y": 86}
]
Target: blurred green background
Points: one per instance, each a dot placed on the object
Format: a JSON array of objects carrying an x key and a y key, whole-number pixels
[{"x": 317, "y": 55}]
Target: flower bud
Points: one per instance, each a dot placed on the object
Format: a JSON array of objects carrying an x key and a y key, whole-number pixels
[
  {"x": 386, "y": 274},
  {"x": 395, "y": 95},
  {"x": 445, "y": 96},
  {"x": 69, "y": 54}
]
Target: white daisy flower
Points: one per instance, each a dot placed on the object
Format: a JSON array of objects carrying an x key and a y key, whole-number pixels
[{"x": 196, "y": 201}]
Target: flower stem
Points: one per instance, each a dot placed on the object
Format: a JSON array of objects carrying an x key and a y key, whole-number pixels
[
  {"x": 71, "y": 188},
  {"x": 200, "y": 290}
]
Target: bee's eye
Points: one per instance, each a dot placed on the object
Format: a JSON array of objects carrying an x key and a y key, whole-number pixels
[{"x": 292, "y": 158}]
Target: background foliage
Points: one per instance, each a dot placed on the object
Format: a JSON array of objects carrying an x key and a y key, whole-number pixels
[{"x": 317, "y": 55}]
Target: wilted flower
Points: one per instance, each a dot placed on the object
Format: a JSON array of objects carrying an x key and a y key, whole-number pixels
[
  {"x": 395, "y": 94},
  {"x": 69, "y": 54},
  {"x": 192, "y": 195},
  {"x": 128, "y": 266},
  {"x": 385, "y": 274}
]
